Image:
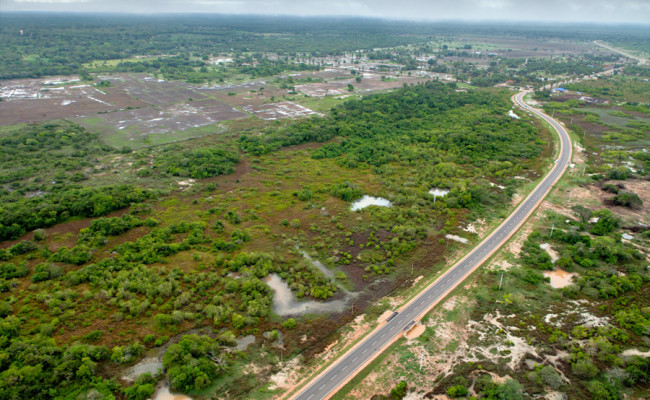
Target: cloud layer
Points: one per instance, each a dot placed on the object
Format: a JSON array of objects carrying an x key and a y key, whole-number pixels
[{"x": 609, "y": 11}]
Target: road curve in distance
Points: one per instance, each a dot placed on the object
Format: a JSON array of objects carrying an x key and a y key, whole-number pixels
[{"x": 326, "y": 383}]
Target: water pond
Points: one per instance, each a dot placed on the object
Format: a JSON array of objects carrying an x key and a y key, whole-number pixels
[{"x": 367, "y": 201}]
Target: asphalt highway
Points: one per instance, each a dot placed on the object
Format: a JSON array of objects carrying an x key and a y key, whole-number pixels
[{"x": 354, "y": 360}]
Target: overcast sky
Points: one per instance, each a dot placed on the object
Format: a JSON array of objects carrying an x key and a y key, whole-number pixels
[{"x": 609, "y": 11}]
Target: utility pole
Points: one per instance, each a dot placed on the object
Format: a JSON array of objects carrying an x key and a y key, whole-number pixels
[
  {"x": 570, "y": 193},
  {"x": 411, "y": 268},
  {"x": 500, "y": 281},
  {"x": 552, "y": 226},
  {"x": 421, "y": 357}
]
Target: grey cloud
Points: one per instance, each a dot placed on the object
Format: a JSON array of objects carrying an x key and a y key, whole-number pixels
[{"x": 614, "y": 11}]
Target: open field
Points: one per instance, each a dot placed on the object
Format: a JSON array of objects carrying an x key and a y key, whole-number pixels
[
  {"x": 32, "y": 100},
  {"x": 139, "y": 110},
  {"x": 519, "y": 46},
  {"x": 285, "y": 109}
]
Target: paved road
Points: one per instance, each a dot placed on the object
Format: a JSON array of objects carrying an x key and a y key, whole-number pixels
[
  {"x": 354, "y": 360},
  {"x": 640, "y": 60}
]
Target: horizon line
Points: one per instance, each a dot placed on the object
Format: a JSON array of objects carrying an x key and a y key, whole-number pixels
[{"x": 333, "y": 16}]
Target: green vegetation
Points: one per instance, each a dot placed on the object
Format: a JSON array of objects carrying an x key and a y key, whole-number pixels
[
  {"x": 197, "y": 262},
  {"x": 117, "y": 254},
  {"x": 194, "y": 363},
  {"x": 197, "y": 163}
]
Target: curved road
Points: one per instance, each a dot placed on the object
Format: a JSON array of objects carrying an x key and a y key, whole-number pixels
[{"x": 338, "y": 373}]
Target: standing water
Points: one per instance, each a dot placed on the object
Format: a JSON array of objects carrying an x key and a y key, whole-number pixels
[
  {"x": 559, "y": 278},
  {"x": 149, "y": 365},
  {"x": 163, "y": 393},
  {"x": 367, "y": 201},
  {"x": 286, "y": 303},
  {"x": 319, "y": 265},
  {"x": 435, "y": 192}
]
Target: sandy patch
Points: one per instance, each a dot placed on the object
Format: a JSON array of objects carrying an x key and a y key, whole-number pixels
[
  {"x": 186, "y": 184},
  {"x": 287, "y": 377},
  {"x": 635, "y": 352},
  {"x": 292, "y": 373},
  {"x": 395, "y": 301},
  {"x": 416, "y": 331},
  {"x": 501, "y": 265},
  {"x": 416, "y": 280},
  {"x": 551, "y": 252},
  {"x": 384, "y": 316},
  {"x": 414, "y": 396},
  {"x": 555, "y": 396}
]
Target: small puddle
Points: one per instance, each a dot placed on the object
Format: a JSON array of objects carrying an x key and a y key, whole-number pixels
[
  {"x": 367, "y": 201},
  {"x": 321, "y": 267},
  {"x": 146, "y": 365},
  {"x": 435, "y": 192},
  {"x": 244, "y": 341},
  {"x": 286, "y": 303},
  {"x": 457, "y": 238},
  {"x": 277, "y": 342},
  {"x": 163, "y": 393},
  {"x": 559, "y": 278}
]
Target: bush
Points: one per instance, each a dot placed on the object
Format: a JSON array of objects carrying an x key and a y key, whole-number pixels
[
  {"x": 618, "y": 174},
  {"x": 40, "y": 235},
  {"x": 295, "y": 223},
  {"x": 290, "y": 323},
  {"x": 197, "y": 163},
  {"x": 627, "y": 199},
  {"x": 22, "y": 247},
  {"x": 584, "y": 369},
  {"x": 346, "y": 191},
  {"x": 610, "y": 188},
  {"x": 194, "y": 363},
  {"x": 457, "y": 391},
  {"x": 399, "y": 391},
  {"x": 45, "y": 271},
  {"x": 607, "y": 222},
  {"x": 303, "y": 195}
]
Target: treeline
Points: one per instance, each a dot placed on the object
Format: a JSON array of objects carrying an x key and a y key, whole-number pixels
[
  {"x": 27, "y": 214},
  {"x": 183, "y": 67},
  {"x": 32, "y": 151},
  {"x": 426, "y": 122},
  {"x": 61, "y": 44},
  {"x": 197, "y": 163}
]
